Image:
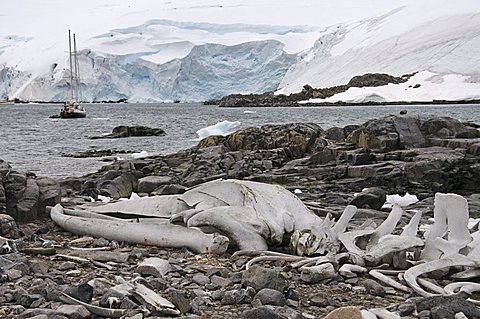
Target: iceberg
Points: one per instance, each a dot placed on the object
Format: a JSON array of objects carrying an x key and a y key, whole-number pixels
[{"x": 221, "y": 128}]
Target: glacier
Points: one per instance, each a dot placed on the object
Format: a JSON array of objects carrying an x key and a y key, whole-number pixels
[{"x": 151, "y": 51}]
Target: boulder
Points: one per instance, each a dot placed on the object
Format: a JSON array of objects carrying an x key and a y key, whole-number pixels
[
  {"x": 148, "y": 184},
  {"x": 259, "y": 278},
  {"x": 117, "y": 184},
  {"x": 372, "y": 197}
]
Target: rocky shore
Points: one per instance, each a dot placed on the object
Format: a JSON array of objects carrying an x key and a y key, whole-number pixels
[{"x": 42, "y": 265}]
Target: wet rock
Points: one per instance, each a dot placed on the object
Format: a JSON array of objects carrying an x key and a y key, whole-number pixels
[{"x": 259, "y": 278}]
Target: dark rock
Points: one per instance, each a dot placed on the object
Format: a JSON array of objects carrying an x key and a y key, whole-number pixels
[
  {"x": 373, "y": 197},
  {"x": 180, "y": 301},
  {"x": 148, "y": 184},
  {"x": 117, "y": 184},
  {"x": 127, "y": 131},
  {"x": 74, "y": 311},
  {"x": 22, "y": 297},
  {"x": 374, "y": 288},
  {"x": 442, "y": 312},
  {"x": 237, "y": 297},
  {"x": 405, "y": 309},
  {"x": 82, "y": 292},
  {"x": 260, "y": 278},
  {"x": 320, "y": 300},
  {"x": 269, "y": 296},
  {"x": 261, "y": 313},
  {"x": 171, "y": 189},
  {"x": 8, "y": 227},
  {"x": 452, "y": 303}
]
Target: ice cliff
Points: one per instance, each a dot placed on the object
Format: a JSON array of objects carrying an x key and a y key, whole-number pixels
[{"x": 199, "y": 50}]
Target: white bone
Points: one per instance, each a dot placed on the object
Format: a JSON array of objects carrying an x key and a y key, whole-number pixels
[
  {"x": 163, "y": 235},
  {"x": 375, "y": 273},
  {"x": 414, "y": 272},
  {"x": 412, "y": 227}
]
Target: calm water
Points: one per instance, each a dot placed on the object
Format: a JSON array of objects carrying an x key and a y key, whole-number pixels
[{"x": 31, "y": 141}]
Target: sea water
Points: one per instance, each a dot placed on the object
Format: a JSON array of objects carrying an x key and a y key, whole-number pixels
[{"x": 31, "y": 141}]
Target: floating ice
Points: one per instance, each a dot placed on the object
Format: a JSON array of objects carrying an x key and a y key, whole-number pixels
[
  {"x": 249, "y": 112},
  {"x": 297, "y": 191},
  {"x": 221, "y": 128}
]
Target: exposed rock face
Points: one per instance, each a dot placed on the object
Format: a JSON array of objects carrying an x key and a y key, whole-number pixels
[
  {"x": 395, "y": 153},
  {"x": 128, "y": 131},
  {"x": 25, "y": 196},
  {"x": 269, "y": 99}
]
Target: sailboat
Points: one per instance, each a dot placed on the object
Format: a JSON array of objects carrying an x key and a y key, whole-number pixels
[{"x": 72, "y": 107}]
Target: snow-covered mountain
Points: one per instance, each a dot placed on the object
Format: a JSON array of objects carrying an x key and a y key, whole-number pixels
[{"x": 193, "y": 50}]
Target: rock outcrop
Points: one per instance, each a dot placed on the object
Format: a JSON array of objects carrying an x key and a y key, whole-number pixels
[
  {"x": 128, "y": 131},
  {"x": 25, "y": 196}
]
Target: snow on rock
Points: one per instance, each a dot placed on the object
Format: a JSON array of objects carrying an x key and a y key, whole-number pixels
[
  {"x": 430, "y": 37},
  {"x": 422, "y": 87}
]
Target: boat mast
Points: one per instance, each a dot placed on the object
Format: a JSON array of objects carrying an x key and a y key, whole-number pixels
[
  {"x": 76, "y": 67},
  {"x": 71, "y": 64}
]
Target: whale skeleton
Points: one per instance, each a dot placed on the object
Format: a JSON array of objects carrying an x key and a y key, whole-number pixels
[{"x": 252, "y": 216}]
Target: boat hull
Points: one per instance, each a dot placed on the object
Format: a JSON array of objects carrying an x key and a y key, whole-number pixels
[{"x": 73, "y": 115}]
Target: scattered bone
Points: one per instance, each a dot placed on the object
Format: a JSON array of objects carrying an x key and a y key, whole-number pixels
[
  {"x": 377, "y": 274},
  {"x": 154, "y": 266},
  {"x": 99, "y": 311},
  {"x": 384, "y": 313}
]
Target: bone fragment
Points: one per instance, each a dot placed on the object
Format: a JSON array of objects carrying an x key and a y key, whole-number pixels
[
  {"x": 350, "y": 271},
  {"x": 384, "y": 313},
  {"x": 317, "y": 273},
  {"x": 467, "y": 274},
  {"x": 154, "y": 266},
  {"x": 389, "y": 281},
  {"x": 272, "y": 258},
  {"x": 388, "y": 225},
  {"x": 367, "y": 314},
  {"x": 349, "y": 240},
  {"x": 240, "y": 224},
  {"x": 79, "y": 259},
  {"x": 456, "y": 211},
  {"x": 163, "y": 235},
  {"x": 413, "y": 273},
  {"x": 412, "y": 227},
  {"x": 99, "y": 311},
  {"x": 342, "y": 222},
  {"x": 390, "y": 244},
  {"x": 468, "y": 287},
  {"x": 430, "y": 285},
  {"x": 154, "y": 206}
]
